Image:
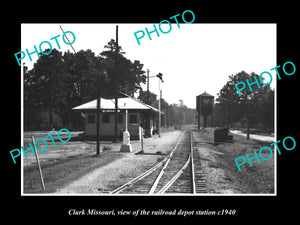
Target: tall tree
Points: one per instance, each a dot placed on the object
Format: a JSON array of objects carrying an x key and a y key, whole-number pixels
[
  {"x": 83, "y": 72},
  {"x": 245, "y": 106},
  {"x": 131, "y": 74},
  {"x": 31, "y": 104},
  {"x": 143, "y": 97},
  {"x": 58, "y": 82},
  {"x": 47, "y": 82}
]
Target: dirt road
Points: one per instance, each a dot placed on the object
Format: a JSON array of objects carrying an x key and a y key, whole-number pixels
[{"x": 255, "y": 136}]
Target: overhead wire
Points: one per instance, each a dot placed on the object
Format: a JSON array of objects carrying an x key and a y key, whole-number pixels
[{"x": 67, "y": 38}]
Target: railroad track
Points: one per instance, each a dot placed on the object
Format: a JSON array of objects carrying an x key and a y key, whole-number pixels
[{"x": 178, "y": 173}]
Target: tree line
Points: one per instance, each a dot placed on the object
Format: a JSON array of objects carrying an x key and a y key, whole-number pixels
[
  {"x": 251, "y": 109},
  {"x": 60, "y": 81},
  {"x": 175, "y": 114}
]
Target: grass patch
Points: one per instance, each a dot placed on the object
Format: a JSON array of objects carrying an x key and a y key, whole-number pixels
[
  {"x": 59, "y": 172},
  {"x": 62, "y": 163},
  {"x": 256, "y": 179}
]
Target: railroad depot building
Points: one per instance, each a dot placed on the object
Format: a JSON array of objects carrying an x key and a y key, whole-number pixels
[{"x": 137, "y": 117}]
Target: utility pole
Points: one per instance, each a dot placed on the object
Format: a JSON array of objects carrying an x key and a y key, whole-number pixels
[
  {"x": 248, "y": 123},
  {"x": 159, "y": 75},
  {"x": 98, "y": 118},
  {"x": 116, "y": 91},
  {"x": 159, "y": 108},
  {"x": 148, "y": 101},
  {"x": 147, "y": 125}
]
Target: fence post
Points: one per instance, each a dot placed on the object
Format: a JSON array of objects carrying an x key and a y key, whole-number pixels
[{"x": 142, "y": 140}]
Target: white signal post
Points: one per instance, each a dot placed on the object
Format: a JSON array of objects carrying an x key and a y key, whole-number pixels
[
  {"x": 126, "y": 146},
  {"x": 159, "y": 108},
  {"x": 159, "y": 76}
]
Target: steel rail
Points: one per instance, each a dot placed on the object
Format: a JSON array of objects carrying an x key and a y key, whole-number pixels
[
  {"x": 146, "y": 173},
  {"x": 193, "y": 183},
  {"x": 141, "y": 176},
  {"x": 190, "y": 161},
  {"x": 155, "y": 183},
  {"x": 175, "y": 177}
]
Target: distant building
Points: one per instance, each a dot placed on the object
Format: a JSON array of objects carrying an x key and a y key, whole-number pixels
[
  {"x": 137, "y": 112},
  {"x": 204, "y": 107},
  {"x": 45, "y": 120}
]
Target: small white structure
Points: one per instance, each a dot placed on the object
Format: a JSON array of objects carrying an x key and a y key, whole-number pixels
[
  {"x": 45, "y": 120},
  {"x": 126, "y": 146}
]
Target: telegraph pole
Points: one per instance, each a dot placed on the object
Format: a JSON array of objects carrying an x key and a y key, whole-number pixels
[
  {"x": 159, "y": 75},
  {"x": 248, "y": 123},
  {"x": 147, "y": 125},
  {"x": 148, "y": 101},
  {"x": 159, "y": 108},
  {"x": 116, "y": 91},
  {"x": 159, "y": 105},
  {"x": 98, "y": 118}
]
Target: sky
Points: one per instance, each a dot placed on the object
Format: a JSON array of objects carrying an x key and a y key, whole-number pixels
[{"x": 193, "y": 58}]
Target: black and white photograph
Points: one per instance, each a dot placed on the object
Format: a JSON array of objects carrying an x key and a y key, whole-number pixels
[
  {"x": 166, "y": 116},
  {"x": 139, "y": 122}
]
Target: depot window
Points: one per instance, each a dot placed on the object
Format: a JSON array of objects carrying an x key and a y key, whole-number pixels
[
  {"x": 91, "y": 118},
  {"x": 120, "y": 118},
  {"x": 133, "y": 118},
  {"x": 105, "y": 118}
]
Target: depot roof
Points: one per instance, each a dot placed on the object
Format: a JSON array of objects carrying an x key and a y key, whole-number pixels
[{"x": 123, "y": 103}]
